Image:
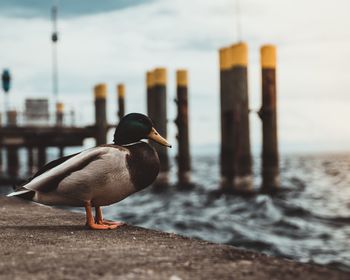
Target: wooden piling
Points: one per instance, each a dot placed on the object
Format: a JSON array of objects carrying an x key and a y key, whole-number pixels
[
  {"x": 59, "y": 113},
  {"x": 12, "y": 151},
  {"x": 227, "y": 153},
  {"x": 12, "y": 118},
  {"x": 1, "y": 161},
  {"x": 149, "y": 93},
  {"x": 235, "y": 139},
  {"x": 30, "y": 163},
  {"x": 160, "y": 122},
  {"x": 100, "y": 114},
  {"x": 183, "y": 157},
  {"x": 268, "y": 115},
  {"x": 59, "y": 122},
  {"x": 239, "y": 74},
  {"x": 121, "y": 100},
  {"x": 41, "y": 156}
]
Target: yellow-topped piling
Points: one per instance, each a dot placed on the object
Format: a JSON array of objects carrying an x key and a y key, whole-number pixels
[
  {"x": 238, "y": 55},
  {"x": 268, "y": 56},
  {"x": 100, "y": 91},
  {"x": 59, "y": 113},
  {"x": 121, "y": 90},
  {"x": 181, "y": 121},
  {"x": 268, "y": 115},
  {"x": 224, "y": 54},
  {"x": 150, "y": 79},
  {"x": 160, "y": 78},
  {"x": 181, "y": 78},
  {"x": 121, "y": 101},
  {"x": 59, "y": 107},
  {"x": 157, "y": 111}
]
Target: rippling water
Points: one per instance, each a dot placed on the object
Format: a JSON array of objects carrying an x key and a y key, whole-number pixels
[{"x": 309, "y": 220}]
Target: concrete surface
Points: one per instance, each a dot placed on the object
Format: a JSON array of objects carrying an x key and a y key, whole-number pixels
[{"x": 40, "y": 242}]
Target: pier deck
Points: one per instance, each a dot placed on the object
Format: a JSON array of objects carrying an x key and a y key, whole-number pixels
[
  {"x": 40, "y": 242},
  {"x": 44, "y": 136}
]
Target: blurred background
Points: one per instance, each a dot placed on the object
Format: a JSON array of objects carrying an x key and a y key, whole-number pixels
[{"x": 118, "y": 41}]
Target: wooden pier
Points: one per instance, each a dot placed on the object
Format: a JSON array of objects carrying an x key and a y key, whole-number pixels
[{"x": 37, "y": 139}]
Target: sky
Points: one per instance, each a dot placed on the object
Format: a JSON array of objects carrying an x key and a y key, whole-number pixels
[{"x": 118, "y": 41}]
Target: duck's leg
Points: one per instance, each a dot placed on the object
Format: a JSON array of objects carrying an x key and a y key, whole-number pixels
[
  {"x": 90, "y": 222},
  {"x": 99, "y": 218}
]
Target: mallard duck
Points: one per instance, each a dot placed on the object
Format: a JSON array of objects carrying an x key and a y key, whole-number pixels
[{"x": 102, "y": 175}]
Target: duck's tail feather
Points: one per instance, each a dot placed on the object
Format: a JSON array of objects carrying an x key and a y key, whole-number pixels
[{"x": 23, "y": 193}]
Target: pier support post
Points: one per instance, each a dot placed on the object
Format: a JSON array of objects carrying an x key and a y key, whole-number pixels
[
  {"x": 236, "y": 162},
  {"x": 59, "y": 114},
  {"x": 160, "y": 121},
  {"x": 100, "y": 114},
  {"x": 12, "y": 151},
  {"x": 149, "y": 92},
  {"x": 121, "y": 101},
  {"x": 227, "y": 152},
  {"x": 268, "y": 115},
  {"x": 30, "y": 157},
  {"x": 1, "y": 161},
  {"x": 239, "y": 61},
  {"x": 183, "y": 157},
  {"x": 59, "y": 122},
  {"x": 41, "y": 156}
]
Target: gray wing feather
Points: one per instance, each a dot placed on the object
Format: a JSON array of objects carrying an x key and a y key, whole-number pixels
[{"x": 45, "y": 182}]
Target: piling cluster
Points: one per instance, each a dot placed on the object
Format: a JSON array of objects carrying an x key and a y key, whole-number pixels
[
  {"x": 236, "y": 159},
  {"x": 235, "y": 152}
]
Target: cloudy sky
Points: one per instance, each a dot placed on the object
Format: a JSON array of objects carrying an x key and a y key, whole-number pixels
[{"x": 117, "y": 41}]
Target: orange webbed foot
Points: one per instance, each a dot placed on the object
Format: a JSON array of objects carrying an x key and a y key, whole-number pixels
[
  {"x": 101, "y": 227},
  {"x": 110, "y": 223},
  {"x": 99, "y": 223}
]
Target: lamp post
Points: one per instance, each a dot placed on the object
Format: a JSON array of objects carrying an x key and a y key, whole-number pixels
[
  {"x": 6, "y": 84},
  {"x": 54, "y": 39}
]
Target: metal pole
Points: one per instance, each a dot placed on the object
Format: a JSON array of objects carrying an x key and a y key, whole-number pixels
[
  {"x": 238, "y": 20},
  {"x": 54, "y": 39}
]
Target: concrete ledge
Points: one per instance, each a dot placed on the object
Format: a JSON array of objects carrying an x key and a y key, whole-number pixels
[{"x": 39, "y": 242}]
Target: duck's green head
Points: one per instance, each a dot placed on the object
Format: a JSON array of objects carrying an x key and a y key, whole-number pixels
[{"x": 134, "y": 127}]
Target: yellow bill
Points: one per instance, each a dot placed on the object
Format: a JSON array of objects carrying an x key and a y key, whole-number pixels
[{"x": 155, "y": 136}]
